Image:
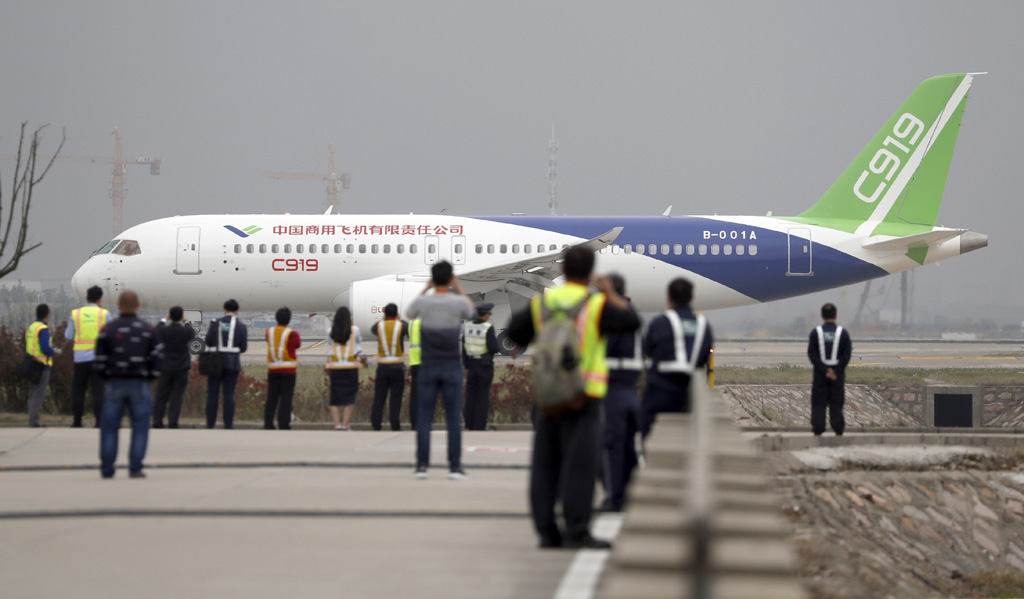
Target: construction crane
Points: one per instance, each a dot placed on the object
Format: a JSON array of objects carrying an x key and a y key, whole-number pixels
[
  {"x": 335, "y": 182},
  {"x": 119, "y": 176}
]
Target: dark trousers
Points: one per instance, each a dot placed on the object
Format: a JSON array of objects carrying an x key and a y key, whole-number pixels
[
  {"x": 84, "y": 378},
  {"x": 657, "y": 400},
  {"x": 444, "y": 378},
  {"x": 414, "y": 393},
  {"x": 565, "y": 456},
  {"x": 133, "y": 394},
  {"x": 831, "y": 395},
  {"x": 390, "y": 380},
  {"x": 478, "y": 394},
  {"x": 214, "y": 384},
  {"x": 621, "y": 423},
  {"x": 280, "y": 390},
  {"x": 170, "y": 387}
]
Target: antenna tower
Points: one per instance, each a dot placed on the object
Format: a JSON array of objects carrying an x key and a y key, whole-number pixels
[{"x": 552, "y": 173}]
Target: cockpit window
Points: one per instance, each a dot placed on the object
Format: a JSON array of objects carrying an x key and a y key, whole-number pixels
[
  {"x": 106, "y": 249},
  {"x": 128, "y": 247}
]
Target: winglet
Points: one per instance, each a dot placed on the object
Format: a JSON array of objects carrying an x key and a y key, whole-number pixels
[
  {"x": 601, "y": 241},
  {"x": 668, "y": 211}
]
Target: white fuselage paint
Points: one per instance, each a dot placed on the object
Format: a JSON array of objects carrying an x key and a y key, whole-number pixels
[{"x": 319, "y": 282}]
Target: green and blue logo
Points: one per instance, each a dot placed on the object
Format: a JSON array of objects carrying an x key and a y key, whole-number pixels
[{"x": 243, "y": 233}]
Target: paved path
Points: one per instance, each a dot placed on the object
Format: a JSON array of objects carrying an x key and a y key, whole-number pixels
[{"x": 342, "y": 517}]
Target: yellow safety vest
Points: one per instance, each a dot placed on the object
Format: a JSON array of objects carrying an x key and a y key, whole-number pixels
[
  {"x": 343, "y": 355},
  {"x": 415, "y": 350},
  {"x": 389, "y": 342},
  {"x": 88, "y": 322},
  {"x": 32, "y": 345},
  {"x": 475, "y": 338},
  {"x": 592, "y": 347},
  {"x": 277, "y": 349}
]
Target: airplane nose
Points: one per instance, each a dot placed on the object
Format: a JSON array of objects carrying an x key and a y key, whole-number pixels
[{"x": 80, "y": 281}]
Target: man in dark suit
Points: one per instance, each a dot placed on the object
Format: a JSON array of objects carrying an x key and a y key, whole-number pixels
[
  {"x": 229, "y": 336},
  {"x": 829, "y": 348},
  {"x": 175, "y": 336}
]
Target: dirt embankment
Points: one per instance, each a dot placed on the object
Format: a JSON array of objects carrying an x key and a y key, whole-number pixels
[{"x": 952, "y": 530}]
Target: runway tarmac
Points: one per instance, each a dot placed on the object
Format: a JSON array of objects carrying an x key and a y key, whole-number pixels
[{"x": 244, "y": 513}]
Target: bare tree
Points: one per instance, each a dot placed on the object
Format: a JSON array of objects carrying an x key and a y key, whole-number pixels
[{"x": 14, "y": 237}]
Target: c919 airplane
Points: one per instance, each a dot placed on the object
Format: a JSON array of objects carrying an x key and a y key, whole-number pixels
[{"x": 878, "y": 218}]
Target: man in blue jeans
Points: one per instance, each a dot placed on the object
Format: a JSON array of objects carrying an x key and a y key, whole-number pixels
[
  {"x": 441, "y": 368},
  {"x": 128, "y": 358}
]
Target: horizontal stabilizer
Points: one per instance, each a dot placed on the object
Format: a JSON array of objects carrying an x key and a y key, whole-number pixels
[{"x": 885, "y": 243}]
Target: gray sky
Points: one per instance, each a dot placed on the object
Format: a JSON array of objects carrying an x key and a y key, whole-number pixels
[{"x": 719, "y": 107}]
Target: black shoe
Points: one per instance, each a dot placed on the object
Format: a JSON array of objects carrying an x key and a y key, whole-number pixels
[
  {"x": 76, "y": 424},
  {"x": 172, "y": 426},
  {"x": 139, "y": 474},
  {"x": 586, "y": 542},
  {"x": 550, "y": 542},
  {"x": 111, "y": 475},
  {"x": 158, "y": 425}
]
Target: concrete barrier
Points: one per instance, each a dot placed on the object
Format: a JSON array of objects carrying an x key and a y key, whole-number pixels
[{"x": 657, "y": 554}]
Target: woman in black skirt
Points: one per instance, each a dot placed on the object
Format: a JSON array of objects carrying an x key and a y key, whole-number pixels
[{"x": 343, "y": 367}]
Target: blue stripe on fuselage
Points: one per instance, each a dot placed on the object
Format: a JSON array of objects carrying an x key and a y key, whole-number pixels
[{"x": 762, "y": 277}]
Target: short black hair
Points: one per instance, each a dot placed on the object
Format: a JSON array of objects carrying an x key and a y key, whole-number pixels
[
  {"x": 283, "y": 316},
  {"x": 441, "y": 273},
  {"x": 231, "y": 306},
  {"x": 828, "y": 311},
  {"x": 618, "y": 283},
  {"x": 680, "y": 291},
  {"x": 578, "y": 263},
  {"x": 42, "y": 311},
  {"x": 176, "y": 314},
  {"x": 93, "y": 294},
  {"x": 390, "y": 311}
]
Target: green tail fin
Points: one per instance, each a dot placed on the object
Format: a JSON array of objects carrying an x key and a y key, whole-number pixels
[{"x": 895, "y": 185}]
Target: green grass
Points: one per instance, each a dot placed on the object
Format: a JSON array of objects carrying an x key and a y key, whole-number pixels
[
  {"x": 785, "y": 374},
  {"x": 510, "y": 394}
]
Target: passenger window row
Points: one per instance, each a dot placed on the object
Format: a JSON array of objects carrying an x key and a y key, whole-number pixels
[
  {"x": 337, "y": 248},
  {"x": 515, "y": 248},
  {"x": 490, "y": 248},
  {"x": 664, "y": 249}
]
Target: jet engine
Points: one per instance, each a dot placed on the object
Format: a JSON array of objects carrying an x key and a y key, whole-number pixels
[{"x": 366, "y": 299}]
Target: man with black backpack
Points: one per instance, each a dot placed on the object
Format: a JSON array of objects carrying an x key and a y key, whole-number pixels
[{"x": 568, "y": 325}]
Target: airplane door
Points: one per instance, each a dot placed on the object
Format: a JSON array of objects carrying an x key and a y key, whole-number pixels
[
  {"x": 799, "y": 253},
  {"x": 459, "y": 249},
  {"x": 187, "y": 254},
  {"x": 430, "y": 249}
]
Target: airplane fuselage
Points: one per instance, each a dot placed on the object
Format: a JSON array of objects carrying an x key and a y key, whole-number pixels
[{"x": 310, "y": 262}]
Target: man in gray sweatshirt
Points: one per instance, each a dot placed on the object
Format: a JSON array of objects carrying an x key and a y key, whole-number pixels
[{"x": 441, "y": 370}]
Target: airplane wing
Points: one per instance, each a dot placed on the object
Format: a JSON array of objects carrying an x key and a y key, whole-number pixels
[{"x": 542, "y": 265}]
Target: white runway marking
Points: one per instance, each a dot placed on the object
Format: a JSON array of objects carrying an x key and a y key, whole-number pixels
[{"x": 580, "y": 580}]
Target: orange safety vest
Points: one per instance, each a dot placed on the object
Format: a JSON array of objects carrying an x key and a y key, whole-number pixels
[
  {"x": 389, "y": 342},
  {"x": 344, "y": 355},
  {"x": 278, "y": 357}
]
